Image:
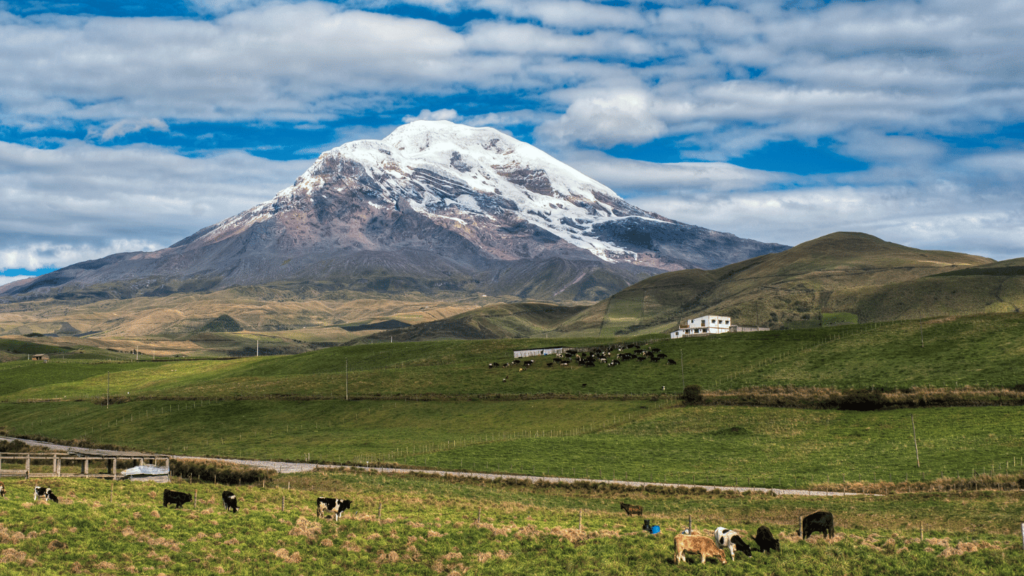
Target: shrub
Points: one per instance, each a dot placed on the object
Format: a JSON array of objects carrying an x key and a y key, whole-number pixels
[
  {"x": 692, "y": 394},
  {"x": 209, "y": 470}
]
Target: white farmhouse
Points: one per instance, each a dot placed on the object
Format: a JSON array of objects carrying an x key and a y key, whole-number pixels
[{"x": 704, "y": 325}]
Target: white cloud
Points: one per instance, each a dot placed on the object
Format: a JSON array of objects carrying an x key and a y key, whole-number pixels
[
  {"x": 11, "y": 279},
  {"x": 636, "y": 178},
  {"x": 123, "y": 127},
  {"x": 625, "y": 117},
  {"x": 47, "y": 255},
  {"x": 443, "y": 114},
  {"x": 892, "y": 83},
  {"x": 81, "y": 201}
]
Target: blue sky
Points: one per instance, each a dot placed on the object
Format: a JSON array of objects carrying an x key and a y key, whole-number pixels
[{"x": 128, "y": 125}]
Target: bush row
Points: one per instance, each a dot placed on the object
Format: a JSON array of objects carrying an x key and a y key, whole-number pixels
[{"x": 220, "y": 472}]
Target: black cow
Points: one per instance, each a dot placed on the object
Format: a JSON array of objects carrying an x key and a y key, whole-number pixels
[
  {"x": 230, "y": 501},
  {"x": 333, "y": 505},
  {"x": 818, "y": 522},
  {"x": 46, "y": 494},
  {"x": 765, "y": 540},
  {"x": 176, "y": 498}
]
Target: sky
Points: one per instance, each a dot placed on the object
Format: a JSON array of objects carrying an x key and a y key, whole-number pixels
[{"x": 128, "y": 125}]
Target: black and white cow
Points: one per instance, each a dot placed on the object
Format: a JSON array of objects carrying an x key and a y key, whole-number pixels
[
  {"x": 332, "y": 505},
  {"x": 765, "y": 540},
  {"x": 230, "y": 501},
  {"x": 46, "y": 494},
  {"x": 818, "y": 522},
  {"x": 176, "y": 498},
  {"x": 730, "y": 540},
  {"x": 3, "y": 491}
]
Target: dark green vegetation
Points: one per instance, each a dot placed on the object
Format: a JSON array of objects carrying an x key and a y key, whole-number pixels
[
  {"x": 222, "y": 323},
  {"x": 429, "y": 526}
]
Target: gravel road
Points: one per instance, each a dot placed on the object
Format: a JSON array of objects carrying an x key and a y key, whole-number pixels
[{"x": 295, "y": 467}]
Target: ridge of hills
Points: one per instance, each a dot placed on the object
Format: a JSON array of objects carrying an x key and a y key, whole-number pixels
[
  {"x": 841, "y": 277},
  {"x": 853, "y": 273}
]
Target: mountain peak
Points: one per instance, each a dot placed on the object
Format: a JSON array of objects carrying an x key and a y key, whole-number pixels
[{"x": 430, "y": 203}]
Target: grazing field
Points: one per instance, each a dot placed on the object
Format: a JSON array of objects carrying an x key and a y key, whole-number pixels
[
  {"x": 412, "y": 525},
  {"x": 979, "y": 352},
  {"x": 634, "y": 440}
]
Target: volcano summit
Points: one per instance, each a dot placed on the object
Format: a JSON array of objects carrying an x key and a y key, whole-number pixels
[{"x": 433, "y": 207}]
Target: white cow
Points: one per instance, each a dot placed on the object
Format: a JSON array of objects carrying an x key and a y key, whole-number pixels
[{"x": 730, "y": 540}]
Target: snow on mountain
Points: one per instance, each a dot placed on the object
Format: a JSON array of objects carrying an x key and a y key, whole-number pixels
[
  {"x": 460, "y": 174},
  {"x": 433, "y": 208}
]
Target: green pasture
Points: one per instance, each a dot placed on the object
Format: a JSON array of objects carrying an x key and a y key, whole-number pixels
[
  {"x": 413, "y": 525},
  {"x": 633, "y": 440},
  {"x": 979, "y": 352}
]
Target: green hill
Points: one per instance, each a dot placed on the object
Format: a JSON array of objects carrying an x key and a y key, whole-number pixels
[{"x": 847, "y": 276}]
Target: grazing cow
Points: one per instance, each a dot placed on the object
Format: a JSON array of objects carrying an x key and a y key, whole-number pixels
[
  {"x": 177, "y": 498},
  {"x": 765, "y": 540},
  {"x": 698, "y": 545},
  {"x": 818, "y": 522},
  {"x": 3, "y": 491},
  {"x": 333, "y": 505},
  {"x": 45, "y": 494},
  {"x": 230, "y": 501},
  {"x": 730, "y": 540},
  {"x": 631, "y": 509}
]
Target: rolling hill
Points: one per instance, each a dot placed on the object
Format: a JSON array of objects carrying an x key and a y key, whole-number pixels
[{"x": 859, "y": 275}]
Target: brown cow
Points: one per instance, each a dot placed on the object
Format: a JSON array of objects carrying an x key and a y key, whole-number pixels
[{"x": 697, "y": 545}]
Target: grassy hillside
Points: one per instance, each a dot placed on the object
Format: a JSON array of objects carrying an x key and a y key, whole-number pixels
[
  {"x": 429, "y": 526},
  {"x": 574, "y": 420},
  {"x": 842, "y": 273},
  {"x": 969, "y": 353},
  {"x": 724, "y": 445}
]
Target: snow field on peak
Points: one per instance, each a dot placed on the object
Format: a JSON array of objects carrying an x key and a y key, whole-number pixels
[{"x": 473, "y": 159}]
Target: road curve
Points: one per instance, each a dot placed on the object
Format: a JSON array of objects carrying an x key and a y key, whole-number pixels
[{"x": 295, "y": 467}]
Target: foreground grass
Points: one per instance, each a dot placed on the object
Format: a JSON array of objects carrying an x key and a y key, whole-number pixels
[
  {"x": 634, "y": 440},
  {"x": 980, "y": 352},
  {"x": 430, "y": 526}
]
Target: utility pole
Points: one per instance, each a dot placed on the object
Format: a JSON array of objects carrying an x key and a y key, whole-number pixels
[
  {"x": 108, "y": 390},
  {"x": 346, "y": 379},
  {"x": 918, "y": 454},
  {"x": 257, "y": 347}
]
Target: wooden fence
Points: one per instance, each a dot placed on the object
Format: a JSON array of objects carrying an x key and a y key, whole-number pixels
[{"x": 66, "y": 465}]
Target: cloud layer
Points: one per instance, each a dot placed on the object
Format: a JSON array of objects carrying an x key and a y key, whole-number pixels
[{"x": 928, "y": 94}]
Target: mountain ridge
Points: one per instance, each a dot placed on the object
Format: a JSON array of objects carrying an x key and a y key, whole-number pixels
[{"x": 435, "y": 205}]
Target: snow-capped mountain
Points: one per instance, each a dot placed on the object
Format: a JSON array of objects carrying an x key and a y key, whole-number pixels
[{"x": 434, "y": 206}]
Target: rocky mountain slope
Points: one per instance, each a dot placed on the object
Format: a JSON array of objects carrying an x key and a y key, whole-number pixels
[{"x": 434, "y": 208}]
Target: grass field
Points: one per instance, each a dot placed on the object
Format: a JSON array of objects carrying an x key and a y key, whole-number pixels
[
  {"x": 980, "y": 352},
  {"x": 430, "y": 526},
  {"x": 633, "y": 440}
]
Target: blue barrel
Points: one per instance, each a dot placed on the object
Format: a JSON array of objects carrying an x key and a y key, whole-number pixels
[{"x": 655, "y": 529}]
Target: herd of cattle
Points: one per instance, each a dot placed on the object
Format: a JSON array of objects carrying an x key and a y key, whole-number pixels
[
  {"x": 730, "y": 540},
  {"x": 324, "y": 506},
  {"x": 724, "y": 538},
  {"x": 610, "y": 356}
]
